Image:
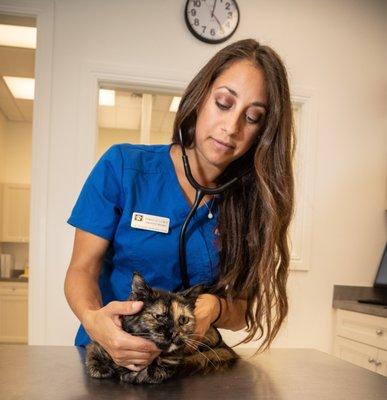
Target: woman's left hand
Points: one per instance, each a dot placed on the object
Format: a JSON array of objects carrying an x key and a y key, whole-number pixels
[{"x": 206, "y": 311}]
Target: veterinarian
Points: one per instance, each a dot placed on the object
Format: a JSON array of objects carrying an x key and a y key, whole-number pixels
[{"x": 235, "y": 116}]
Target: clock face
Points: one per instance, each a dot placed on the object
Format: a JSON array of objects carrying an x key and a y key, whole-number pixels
[{"x": 212, "y": 21}]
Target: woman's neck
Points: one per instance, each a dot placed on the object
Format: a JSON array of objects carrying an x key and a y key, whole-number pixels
[
  {"x": 204, "y": 173},
  {"x": 204, "y": 176}
]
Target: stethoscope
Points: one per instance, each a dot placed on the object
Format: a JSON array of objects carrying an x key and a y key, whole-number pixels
[{"x": 201, "y": 191}]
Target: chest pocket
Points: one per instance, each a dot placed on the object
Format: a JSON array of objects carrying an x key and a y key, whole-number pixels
[
  {"x": 156, "y": 254},
  {"x": 201, "y": 253},
  {"x": 209, "y": 270}
]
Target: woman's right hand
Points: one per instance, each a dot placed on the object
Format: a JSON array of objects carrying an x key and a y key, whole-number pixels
[{"x": 104, "y": 327}]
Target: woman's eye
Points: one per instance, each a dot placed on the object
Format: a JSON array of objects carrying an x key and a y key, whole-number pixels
[
  {"x": 222, "y": 106},
  {"x": 225, "y": 107},
  {"x": 252, "y": 120},
  {"x": 183, "y": 320}
]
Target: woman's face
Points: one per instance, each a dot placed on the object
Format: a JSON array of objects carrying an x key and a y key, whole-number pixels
[{"x": 231, "y": 115}]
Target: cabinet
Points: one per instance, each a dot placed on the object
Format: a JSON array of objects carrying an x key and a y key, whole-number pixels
[
  {"x": 13, "y": 312},
  {"x": 362, "y": 340},
  {"x": 15, "y": 212}
]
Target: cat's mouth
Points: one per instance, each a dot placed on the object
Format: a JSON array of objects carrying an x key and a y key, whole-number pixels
[{"x": 172, "y": 347}]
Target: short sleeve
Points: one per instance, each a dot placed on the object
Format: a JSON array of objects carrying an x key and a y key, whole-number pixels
[{"x": 100, "y": 203}]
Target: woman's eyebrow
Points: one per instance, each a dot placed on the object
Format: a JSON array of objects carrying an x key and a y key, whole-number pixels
[{"x": 254, "y": 103}]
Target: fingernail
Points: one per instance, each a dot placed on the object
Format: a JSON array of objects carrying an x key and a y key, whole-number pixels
[{"x": 137, "y": 304}]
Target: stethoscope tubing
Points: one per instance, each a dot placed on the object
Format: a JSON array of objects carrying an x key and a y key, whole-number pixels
[{"x": 201, "y": 191}]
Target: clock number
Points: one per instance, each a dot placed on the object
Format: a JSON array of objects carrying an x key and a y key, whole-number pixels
[{"x": 227, "y": 19}]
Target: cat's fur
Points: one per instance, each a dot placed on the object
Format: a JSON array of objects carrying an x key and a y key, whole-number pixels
[{"x": 167, "y": 319}]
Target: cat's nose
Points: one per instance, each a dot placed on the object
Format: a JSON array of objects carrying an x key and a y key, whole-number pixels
[{"x": 177, "y": 339}]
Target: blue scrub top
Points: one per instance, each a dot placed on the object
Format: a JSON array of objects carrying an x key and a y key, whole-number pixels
[{"x": 141, "y": 178}]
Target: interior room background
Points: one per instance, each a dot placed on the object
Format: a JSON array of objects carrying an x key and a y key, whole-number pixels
[{"x": 336, "y": 70}]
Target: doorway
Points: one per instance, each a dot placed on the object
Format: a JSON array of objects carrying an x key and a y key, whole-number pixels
[{"x": 17, "y": 78}]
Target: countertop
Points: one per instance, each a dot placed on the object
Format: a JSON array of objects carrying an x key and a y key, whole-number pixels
[
  {"x": 13, "y": 279},
  {"x": 346, "y": 298},
  {"x": 57, "y": 372}
]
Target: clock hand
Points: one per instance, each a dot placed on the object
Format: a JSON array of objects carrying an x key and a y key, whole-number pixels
[
  {"x": 208, "y": 7},
  {"x": 213, "y": 8},
  {"x": 221, "y": 27}
]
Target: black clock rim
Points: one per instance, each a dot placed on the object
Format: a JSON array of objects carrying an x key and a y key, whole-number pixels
[{"x": 205, "y": 40}]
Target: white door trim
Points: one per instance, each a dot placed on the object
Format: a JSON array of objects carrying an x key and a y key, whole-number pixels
[{"x": 94, "y": 74}]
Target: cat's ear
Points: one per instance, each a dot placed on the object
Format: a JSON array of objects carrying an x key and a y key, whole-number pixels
[
  {"x": 140, "y": 290},
  {"x": 194, "y": 291}
]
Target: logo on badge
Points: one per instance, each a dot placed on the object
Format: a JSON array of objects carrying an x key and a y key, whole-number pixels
[{"x": 138, "y": 217}]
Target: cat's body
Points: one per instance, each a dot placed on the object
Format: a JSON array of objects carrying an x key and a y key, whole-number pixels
[{"x": 166, "y": 319}]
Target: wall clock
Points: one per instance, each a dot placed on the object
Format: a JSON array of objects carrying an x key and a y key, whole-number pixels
[{"x": 212, "y": 21}]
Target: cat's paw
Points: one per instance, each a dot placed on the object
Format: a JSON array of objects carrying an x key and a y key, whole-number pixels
[
  {"x": 100, "y": 372},
  {"x": 146, "y": 375},
  {"x": 157, "y": 374},
  {"x": 129, "y": 377}
]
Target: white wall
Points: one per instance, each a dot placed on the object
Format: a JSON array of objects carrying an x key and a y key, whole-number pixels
[{"x": 324, "y": 50}]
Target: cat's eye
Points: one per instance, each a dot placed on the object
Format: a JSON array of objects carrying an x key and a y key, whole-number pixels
[
  {"x": 159, "y": 317},
  {"x": 183, "y": 320}
]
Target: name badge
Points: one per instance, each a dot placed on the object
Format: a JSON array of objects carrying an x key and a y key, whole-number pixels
[{"x": 150, "y": 222}]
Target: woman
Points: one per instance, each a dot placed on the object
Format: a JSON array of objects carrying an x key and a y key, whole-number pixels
[{"x": 235, "y": 117}]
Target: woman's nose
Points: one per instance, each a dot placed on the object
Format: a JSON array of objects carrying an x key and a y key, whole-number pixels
[{"x": 231, "y": 123}]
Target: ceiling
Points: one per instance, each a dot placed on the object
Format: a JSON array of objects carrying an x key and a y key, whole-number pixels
[
  {"x": 126, "y": 114},
  {"x": 20, "y": 62}
]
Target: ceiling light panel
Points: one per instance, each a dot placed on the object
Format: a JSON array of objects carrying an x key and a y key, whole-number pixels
[
  {"x": 18, "y": 36},
  {"x": 107, "y": 97},
  {"x": 21, "y": 88},
  {"x": 174, "y": 104}
]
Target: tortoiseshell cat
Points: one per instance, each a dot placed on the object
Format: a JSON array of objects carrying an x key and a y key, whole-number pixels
[{"x": 167, "y": 319}]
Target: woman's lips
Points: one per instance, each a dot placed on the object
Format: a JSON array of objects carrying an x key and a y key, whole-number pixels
[{"x": 222, "y": 146}]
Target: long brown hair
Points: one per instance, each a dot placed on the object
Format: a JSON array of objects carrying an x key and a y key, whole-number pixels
[{"x": 255, "y": 213}]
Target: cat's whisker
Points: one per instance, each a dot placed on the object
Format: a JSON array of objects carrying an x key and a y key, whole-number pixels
[
  {"x": 206, "y": 345},
  {"x": 190, "y": 345},
  {"x": 209, "y": 348},
  {"x": 195, "y": 334},
  {"x": 195, "y": 348}
]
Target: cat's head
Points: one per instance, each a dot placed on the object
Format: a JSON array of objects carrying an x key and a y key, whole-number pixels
[{"x": 166, "y": 318}]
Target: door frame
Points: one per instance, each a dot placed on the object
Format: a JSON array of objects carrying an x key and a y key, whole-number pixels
[{"x": 43, "y": 11}]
